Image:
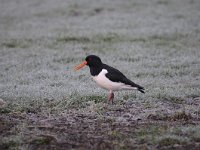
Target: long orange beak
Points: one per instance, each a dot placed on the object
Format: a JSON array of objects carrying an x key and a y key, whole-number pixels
[{"x": 81, "y": 65}]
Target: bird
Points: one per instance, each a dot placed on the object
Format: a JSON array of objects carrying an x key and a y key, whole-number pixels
[{"x": 108, "y": 77}]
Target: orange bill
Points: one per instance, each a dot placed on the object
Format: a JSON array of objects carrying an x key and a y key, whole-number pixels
[{"x": 81, "y": 65}]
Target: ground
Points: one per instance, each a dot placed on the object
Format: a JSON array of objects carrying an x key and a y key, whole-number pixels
[{"x": 45, "y": 104}]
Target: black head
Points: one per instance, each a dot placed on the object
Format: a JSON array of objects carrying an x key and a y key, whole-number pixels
[{"x": 93, "y": 61}]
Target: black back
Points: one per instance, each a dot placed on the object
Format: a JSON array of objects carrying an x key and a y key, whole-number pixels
[{"x": 116, "y": 76}]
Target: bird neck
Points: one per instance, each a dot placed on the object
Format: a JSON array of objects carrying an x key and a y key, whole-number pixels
[{"x": 95, "y": 70}]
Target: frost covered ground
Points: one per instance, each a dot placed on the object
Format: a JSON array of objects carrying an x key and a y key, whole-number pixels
[{"x": 156, "y": 43}]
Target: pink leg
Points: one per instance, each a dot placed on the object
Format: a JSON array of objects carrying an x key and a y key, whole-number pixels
[{"x": 111, "y": 97}]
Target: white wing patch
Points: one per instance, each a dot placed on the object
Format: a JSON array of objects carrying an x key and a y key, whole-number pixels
[
  {"x": 104, "y": 71},
  {"x": 105, "y": 83}
]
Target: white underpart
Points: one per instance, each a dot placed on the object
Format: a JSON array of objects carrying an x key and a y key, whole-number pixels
[{"x": 105, "y": 83}]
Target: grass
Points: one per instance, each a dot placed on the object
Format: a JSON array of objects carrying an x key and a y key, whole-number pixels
[
  {"x": 109, "y": 38},
  {"x": 43, "y": 140},
  {"x": 181, "y": 116},
  {"x": 77, "y": 101},
  {"x": 169, "y": 141},
  {"x": 11, "y": 145},
  {"x": 50, "y": 106},
  {"x": 171, "y": 40},
  {"x": 73, "y": 39},
  {"x": 16, "y": 43}
]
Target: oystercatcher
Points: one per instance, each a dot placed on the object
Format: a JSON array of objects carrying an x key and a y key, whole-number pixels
[{"x": 108, "y": 77}]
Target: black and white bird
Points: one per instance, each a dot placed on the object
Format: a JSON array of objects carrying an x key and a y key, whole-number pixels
[{"x": 108, "y": 77}]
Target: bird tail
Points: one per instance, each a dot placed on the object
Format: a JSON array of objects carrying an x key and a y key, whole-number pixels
[{"x": 139, "y": 88}]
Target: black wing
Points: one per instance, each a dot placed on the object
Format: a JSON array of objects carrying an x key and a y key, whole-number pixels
[{"x": 116, "y": 76}]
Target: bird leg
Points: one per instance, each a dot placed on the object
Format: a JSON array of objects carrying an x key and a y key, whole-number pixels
[{"x": 111, "y": 97}]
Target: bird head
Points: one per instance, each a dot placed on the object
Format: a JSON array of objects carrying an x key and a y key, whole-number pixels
[{"x": 91, "y": 61}]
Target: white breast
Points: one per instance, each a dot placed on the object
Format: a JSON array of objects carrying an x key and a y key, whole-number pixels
[{"x": 105, "y": 83}]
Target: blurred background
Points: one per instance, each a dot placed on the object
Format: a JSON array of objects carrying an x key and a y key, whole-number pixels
[{"x": 155, "y": 42}]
